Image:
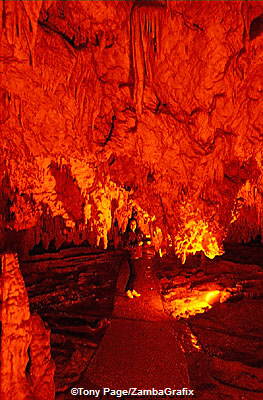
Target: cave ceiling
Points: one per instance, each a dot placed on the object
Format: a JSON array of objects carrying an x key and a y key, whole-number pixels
[{"x": 149, "y": 103}]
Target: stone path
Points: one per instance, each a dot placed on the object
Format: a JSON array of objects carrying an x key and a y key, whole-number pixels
[{"x": 139, "y": 348}]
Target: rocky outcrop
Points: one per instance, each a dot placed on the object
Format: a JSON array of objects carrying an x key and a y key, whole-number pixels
[
  {"x": 26, "y": 366},
  {"x": 73, "y": 291},
  {"x": 16, "y": 332},
  {"x": 219, "y": 305},
  {"x": 42, "y": 367}
]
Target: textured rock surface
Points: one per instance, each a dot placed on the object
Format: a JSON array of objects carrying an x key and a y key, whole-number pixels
[
  {"x": 105, "y": 105},
  {"x": 27, "y": 370},
  {"x": 73, "y": 292},
  {"x": 223, "y": 344},
  {"x": 16, "y": 332},
  {"x": 42, "y": 366}
]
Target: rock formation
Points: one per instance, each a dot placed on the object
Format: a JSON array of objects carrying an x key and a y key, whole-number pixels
[
  {"x": 110, "y": 106},
  {"x": 26, "y": 367}
]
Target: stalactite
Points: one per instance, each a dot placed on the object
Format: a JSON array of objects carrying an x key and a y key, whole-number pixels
[
  {"x": 196, "y": 92},
  {"x": 247, "y": 213},
  {"x": 20, "y": 21},
  {"x": 145, "y": 41}
]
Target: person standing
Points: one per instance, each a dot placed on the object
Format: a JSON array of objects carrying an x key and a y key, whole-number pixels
[{"x": 132, "y": 241}]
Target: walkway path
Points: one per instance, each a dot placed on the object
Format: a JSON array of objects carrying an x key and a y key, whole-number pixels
[{"x": 139, "y": 348}]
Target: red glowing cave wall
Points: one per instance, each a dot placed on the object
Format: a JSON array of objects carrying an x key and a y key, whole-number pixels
[{"x": 110, "y": 106}]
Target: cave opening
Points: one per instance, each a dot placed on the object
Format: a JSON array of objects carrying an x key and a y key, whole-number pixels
[{"x": 131, "y": 201}]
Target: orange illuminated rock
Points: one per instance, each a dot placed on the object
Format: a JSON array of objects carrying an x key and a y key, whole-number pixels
[
  {"x": 196, "y": 235},
  {"x": 16, "y": 332},
  {"x": 161, "y": 100},
  {"x": 26, "y": 367},
  {"x": 42, "y": 366}
]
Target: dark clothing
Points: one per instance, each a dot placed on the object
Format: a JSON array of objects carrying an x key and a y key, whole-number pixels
[
  {"x": 131, "y": 242},
  {"x": 132, "y": 276}
]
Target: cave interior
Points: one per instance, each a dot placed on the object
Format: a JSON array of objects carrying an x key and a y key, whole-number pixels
[{"x": 112, "y": 110}]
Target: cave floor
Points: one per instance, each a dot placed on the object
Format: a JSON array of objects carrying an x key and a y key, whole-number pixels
[
  {"x": 100, "y": 338},
  {"x": 136, "y": 349}
]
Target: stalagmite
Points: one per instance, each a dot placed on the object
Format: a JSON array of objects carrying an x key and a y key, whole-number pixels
[
  {"x": 27, "y": 370},
  {"x": 16, "y": 332}
]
